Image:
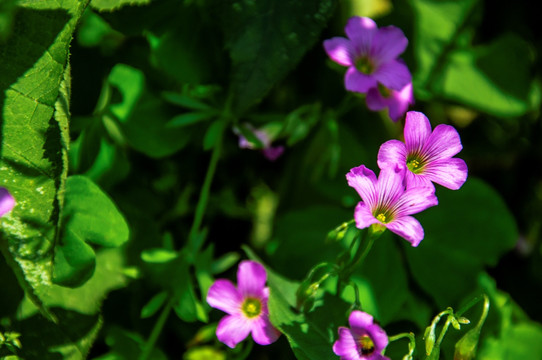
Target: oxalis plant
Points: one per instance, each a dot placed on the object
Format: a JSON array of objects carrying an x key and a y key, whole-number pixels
[{"x": 314, "y": 180}]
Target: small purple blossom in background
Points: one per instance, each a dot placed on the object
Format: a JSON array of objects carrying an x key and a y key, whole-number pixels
[
  {"x": 371, "y": 55},
  {"x": 271, "y": 153},
  {"x": 386, "y": 203},
  {"x": 397, "y": 101},
  {"x": 427, "y": 155},
  {"x": 245, "y": 305},
  {"x": 7, "y": 202},
  {"x": 364, "y": 340}
]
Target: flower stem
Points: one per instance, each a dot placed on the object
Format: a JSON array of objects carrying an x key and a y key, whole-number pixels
[
  {"x": 204, "y": 194},
  {"x": 157, "y": 329},
  {"x": 411, "y": 344}
]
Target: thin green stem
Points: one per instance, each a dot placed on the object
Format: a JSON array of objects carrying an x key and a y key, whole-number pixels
[
  {"x": 156, "y": 330},
  {"x": 411, "y": 344},
  {"x": 443, "y": 331},
  {"x": 204, "y": 193}
]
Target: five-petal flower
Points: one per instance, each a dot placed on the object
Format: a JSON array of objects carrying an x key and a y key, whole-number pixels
[
  {"x": 363, "y": 340},
  {"x": 371, "y": 55},
  {"x": 427, "y": 155},
  {"x": 386, "y": 203},
  {"x": 245, "y": 305}
]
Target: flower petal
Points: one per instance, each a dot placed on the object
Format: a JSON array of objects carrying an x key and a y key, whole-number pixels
[
  {"x": 263, "y": 331},
  {"x": 417, "y": 130},
  {"x": 416, "y": 199},
  {"x": 443, "y": 143},
  {"x": 7, "y": 202},
  {"x": 388, "y": 43},
  {"x": 399, "y": 102},
  {"x": 361, "y": 31},
  {"x": 340, "y": 50},
  {"x": 393, "y": 74},
  {"x": 391, "y": 153},
  {"x": 364, "y": 181},
  {"x": 224, "y": 296},
  {"x": 374, "y": 100},
  {"x": 346, "y": 346},
  {"x": 251, "y": 278},
  {"x": 364, "y": 216},
  {"x": 379, "y": 337},
  {"x": 272, "y": 153},
  {"x": 232, "y": 329},
  {"x": 417, "y": 180},
  {"x": 408, "y": 228},
  {"x": 450, "y": 173},
  {"x": 358, "y": 82},
  {"x": 360, "y": 320},
  {"x": 390, "y": 185}
]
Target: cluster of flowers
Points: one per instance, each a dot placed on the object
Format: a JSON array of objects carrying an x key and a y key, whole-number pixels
[
  {"x": 407, "y": 173},
  {"x": 371, "y": 55},
  {"x": 246, "y": 306},
  {"x": 404, "y": 187}
]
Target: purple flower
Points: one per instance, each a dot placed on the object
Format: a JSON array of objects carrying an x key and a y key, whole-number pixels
[
  {"x": 397, "y": 101},
  {"x": 386, "y": 203},
  {"x": 371, "y": 55},
  {"x": 245, "y": 305},
  {"x": 271, "y": 153},
  {"x": 427, "y": 155},
  {"x": 7, "y": 202},
  {"x": 364, "y": 340}
]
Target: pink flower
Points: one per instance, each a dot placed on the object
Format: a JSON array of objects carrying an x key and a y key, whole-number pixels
[
  {"x": 271, "y": 153},
  {"x": 371, "y": 55},
  {"x": 364, "y": 340},
  {"x": 427, "y": 155},
  {"x": 387, "y": 204},
  {"x": 397, "y": 101},
  {"x": 245, "y": 305},
  {"x": 7, "y": 202}
]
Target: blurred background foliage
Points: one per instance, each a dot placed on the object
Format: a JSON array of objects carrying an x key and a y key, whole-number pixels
[{"x": 160, "y": 89}]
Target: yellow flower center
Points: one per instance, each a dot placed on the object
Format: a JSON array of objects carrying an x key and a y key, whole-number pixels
[
  {"x": 364, "y": 65},
  {"x": 381, "y": 217},
  {"x": 251, "y": 307},
  {"x": 367, "y": 346},
  {"x": 414, "y": 164}
]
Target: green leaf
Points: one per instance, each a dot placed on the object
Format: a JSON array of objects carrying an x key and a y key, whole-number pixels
[
  {"x": 311, "y": 337},
  {"x": 521, "y": 341},
  {"x": 89, "y": 216},
  {"x": 383, "y": 282},
  {"x": 469, "y": 229},
  {"x": 213, "y": 134},
  {"x": 34, "y": 98},
  {"x": 110, "y": 5},
  {"x": 190, "y": 118},
  {"x": 92, "y": 215},
  {"x": 77, "y": 311},
  {"x": 266, "y": 39},
  {"x": 154, "y": 305},
  {"x": 494, "y": 78},
  {"x": 437, "y": 25},
  {"x": 185, "y": 101},
  {"x": 142, "y": 115}
]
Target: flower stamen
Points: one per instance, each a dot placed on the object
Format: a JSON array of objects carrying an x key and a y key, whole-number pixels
[
  {"x": 381, "y": 217},
  {"x": 367, "y": 346},
  {"x": 364, "y": 65},
  {"x": 251, "y": 307}
]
